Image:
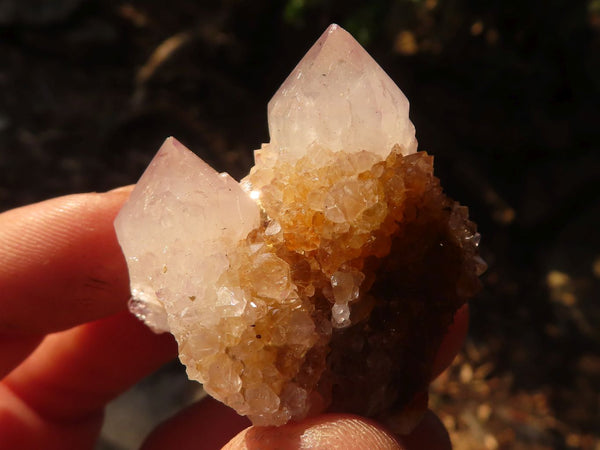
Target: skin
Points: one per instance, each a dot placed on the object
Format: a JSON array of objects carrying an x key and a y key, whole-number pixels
[{"x": 68, "y": 346}]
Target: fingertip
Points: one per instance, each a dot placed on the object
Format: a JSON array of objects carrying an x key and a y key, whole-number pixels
[
  {"x": 123, "y": 190},
  {"x": 322, "y": 432},
  {"x": 452, "y": 341},
  {"x": 68, "y": 246},
  {"x": 207, "y": 424},
  {"x": 429, "y": 434},
  {"x": 14, "y": 349},
  {"x": 75, "y": 372}
]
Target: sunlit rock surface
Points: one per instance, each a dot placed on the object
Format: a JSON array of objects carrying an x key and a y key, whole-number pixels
[{"x": 327, "y": 278}]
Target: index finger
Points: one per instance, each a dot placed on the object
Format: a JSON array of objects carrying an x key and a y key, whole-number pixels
[{"x": 60, "y": 263}]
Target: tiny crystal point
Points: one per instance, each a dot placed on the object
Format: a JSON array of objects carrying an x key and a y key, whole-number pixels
[{"x": 325, "y": 279}]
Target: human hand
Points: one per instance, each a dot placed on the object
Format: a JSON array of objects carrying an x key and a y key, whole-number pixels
[{"x": 68, "y": 345}]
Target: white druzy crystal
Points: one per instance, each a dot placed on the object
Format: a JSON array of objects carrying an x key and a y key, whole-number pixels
[
  {"x": 175, "y": 232},
  {"x": 339, "y": 98}
]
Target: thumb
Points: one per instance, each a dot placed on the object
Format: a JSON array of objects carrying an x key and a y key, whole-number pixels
[
  {"x": 342, "y": 431},
  {"x": 210, "y": 424},
  {"x": 323, "y": 432}
]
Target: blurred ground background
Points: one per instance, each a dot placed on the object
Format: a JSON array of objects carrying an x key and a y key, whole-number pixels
[{"x": 506, "y": 95}]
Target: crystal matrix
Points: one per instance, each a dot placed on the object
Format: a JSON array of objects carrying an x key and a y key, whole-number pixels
[{"x": 326, "y": 279}]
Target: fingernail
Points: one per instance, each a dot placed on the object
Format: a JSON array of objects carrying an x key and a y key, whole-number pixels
[{"x": 121, "y": 189}]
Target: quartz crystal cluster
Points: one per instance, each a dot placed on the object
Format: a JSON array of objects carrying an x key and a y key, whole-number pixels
[{"x": 326, "y": 279}]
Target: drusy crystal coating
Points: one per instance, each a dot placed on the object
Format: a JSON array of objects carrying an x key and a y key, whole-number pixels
[{"x": 326, "y": 279}]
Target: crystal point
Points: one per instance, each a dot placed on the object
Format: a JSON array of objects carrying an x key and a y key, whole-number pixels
[
  {"x": 182, "y": 217},
  {"x": 327, "y": 278},
  {"x": 339, "y": 98}
]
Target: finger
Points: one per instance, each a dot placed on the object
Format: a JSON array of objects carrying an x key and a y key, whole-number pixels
[
  {"x": 22, "y": 428},
  {"x": 74, "y": 373},
  {"x": 208, "y": 424},
  {"x": 429, "y": 434},
  {"x": 452, "y": 341},
  {"x": 212, "y": 425},
  {"x": 14, "y": 349},
  {"x": 60, "y": 263},
  {"x": 341, "y": 431},
  {"x": 322, "y": 432}
]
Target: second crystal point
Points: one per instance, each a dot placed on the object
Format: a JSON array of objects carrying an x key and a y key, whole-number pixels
[{"x": 339, "y": 98}]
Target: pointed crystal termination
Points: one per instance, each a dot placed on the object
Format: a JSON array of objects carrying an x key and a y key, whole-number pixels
[
  {"x": 339, "y": 98},
  {"x": 176, "y": 230}
]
